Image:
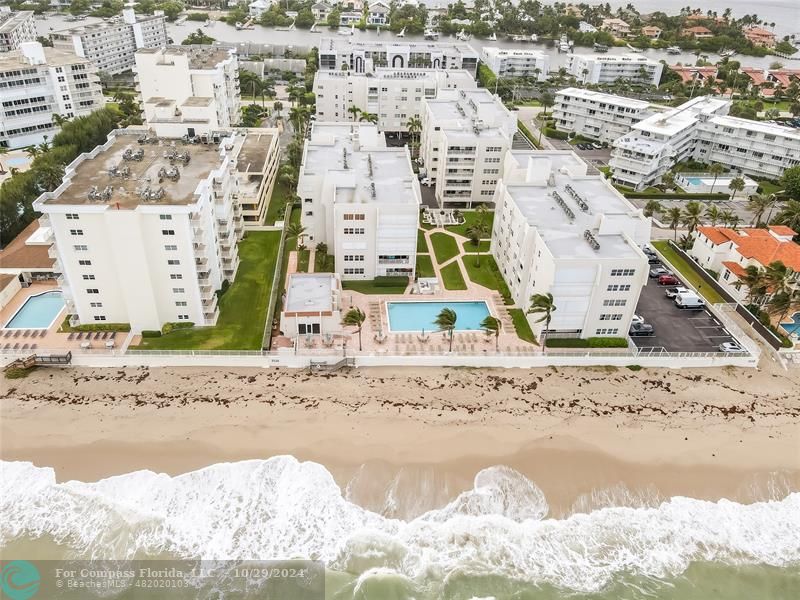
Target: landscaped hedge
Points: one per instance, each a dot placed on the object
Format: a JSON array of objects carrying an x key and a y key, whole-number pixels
[
  {"x": 676, "y": 196},
  {"x": 67, "y": 328},
  {"x": 151, "y": 333},
  {"x": 390, "y": 281},
  {"x": 555, "y": 133},
  {"x": 592, "y": 342},
  {"x": 168, "y": 327},
  {"x": 527, "y": 133}
]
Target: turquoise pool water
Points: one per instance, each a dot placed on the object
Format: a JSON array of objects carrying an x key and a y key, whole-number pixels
[
  {"x": 695, "y": 181},
  {"x": 792, "y": 326},
  {"x": 38, "y": 312},
  {"x": 416, "y": 316}
]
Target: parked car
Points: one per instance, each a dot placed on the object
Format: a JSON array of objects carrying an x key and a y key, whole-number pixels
[
  {"x": 731, "y": 347},
  {"x": 658, "y": 272},
  {"x": 649, "y": 251},
  {"x": 674, "y": 291},
  {"x": 653, "y": 260},
  {"x": 426, "y": 181},
  {"x": 668, "y": 279},
  {"x": 597, "y": 146},
  {"x": 637, "y": 319},
  {"x": 689, "y": 300},
  {"x": 641, "y": 329}
]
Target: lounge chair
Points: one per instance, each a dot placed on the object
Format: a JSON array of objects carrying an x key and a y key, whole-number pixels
[
  {"x": 70, "y": 336},
  {"x": 16, "y": 346},
  {"x": 17, "y": 333},
  {"x": 34, "y": 346},
  {"x": 24, "y": 347},
  {"x": 79, "y": 335}
]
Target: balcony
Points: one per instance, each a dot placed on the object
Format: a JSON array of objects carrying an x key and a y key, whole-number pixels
[
  {"x": 44, "y": 221},
  {"x": 52, "y": 252}
]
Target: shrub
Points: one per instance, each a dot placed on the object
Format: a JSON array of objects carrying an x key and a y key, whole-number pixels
[
  {"x": 592, "y": 342},
  {"x": 659, "y": 195},
  {"x": 17, "y": 373},
  {"x": 168, "y": 327},
  {"x": 608, "y": 342},
  {"x": 555, "y": 134},
  {"x": 223, "y": 288},
  {"x": 151, "y": 333},
  {"x": 67, "y": 328},
  {"x": 634, "y": 367}
]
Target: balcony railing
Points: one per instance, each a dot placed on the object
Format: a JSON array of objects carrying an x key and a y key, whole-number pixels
[{"x": 52, "y": 252}]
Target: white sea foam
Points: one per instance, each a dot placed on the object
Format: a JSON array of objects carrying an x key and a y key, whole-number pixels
[{"x": 281, "y": 507}]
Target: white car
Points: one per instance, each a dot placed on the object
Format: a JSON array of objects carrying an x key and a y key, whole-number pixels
[
  {"x": 674, "y": 291},
  {"x": 731, "y": 347},
  {"x": 426, "y": 181},
  {"x": 638, "y": 319}
]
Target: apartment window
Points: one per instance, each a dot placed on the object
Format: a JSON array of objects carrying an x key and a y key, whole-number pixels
[
  {"x": 80, "y": 248},
  {"x": 492, "y": 160},
  {"x": 173, "y": 261},
  {"x": 619, "y": 287},
  {"x": 622, "y": 272},
  {"x": 170, "y": 247},
  {"x": 85, "y": 263},
  {"x": 183, "y": 317},
  {"x": 487, "y": 192},
  {"x": 353, "y": 271},
  {"x": 99, "y": 318},
  {"x": 611, "y": 317},
  {"x": 353, "y": 257},
  {"x": 354, "y": 217},
  {"x": 304, "y": 328},
  {"x": 493, "y": 149},
  {"x": 165, "y": 217},
  {"x": 168, "y": 232},
  {"x": 72, "y": 216},
  {"x": 88, "y": 277},
  {"x": 76, "y": 231},
  {"x": 178, "y": 290},
  {"x": 175, "y": 276},
  {"x": 354, "y": 231},
  {"x": 96, "y": 304},
  {"x": 92, "y": 291},
  {"x": 489, "y": 182},
  {"x": 614, "y": 302},
  {"x": 606, "y": 331},
  {"x": 491, "y": 171},
  {"x": 181, "y": 303}
]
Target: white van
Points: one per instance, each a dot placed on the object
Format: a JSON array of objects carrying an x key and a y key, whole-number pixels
[{"x": 689, "y": 300}]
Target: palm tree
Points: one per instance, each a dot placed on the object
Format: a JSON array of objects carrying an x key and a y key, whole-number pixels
[
  {"x": 59, "y": 119},
  {"x": 780, "y": 278},
  {"x": 546, "y": 100},
  {"x": 693, "y": 215},
  {"x": 668, "y": 179},
  {"x": 49, "y": 175},
  {"x": 355, "y": 111},
  {"x": 652, "y": 207},
  {"x": 713, "y": 215},
  {"x": 446, "y": 321},
  {"x": 296, "y": 231},
  {"x": 789, "y": 215},
  {"x": 543, "y": 304},
  {"x": 368, "y": 117},
  {"x": 492, "y": 325},
  {"x": 674, "y": 216},
  {"x": 355, "y": 317},
  {"x": 736, "y": 185},
  {"x": 33, "y": 151},
  {"x": 716, "y": 170},
  {"x": 278, "y": 105},
  {"x": 758, "y": 205},
  {"x": 476, "y": 232},
  {"x": 754, "y": 279},
  {"x": 414, "y": 125}
]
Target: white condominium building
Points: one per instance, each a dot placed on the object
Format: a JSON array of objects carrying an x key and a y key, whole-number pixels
[
  {"x": 189, "y": 90},
  {"x": 35, "y": 84},
  {"x": 146, "y": 228},
  {"x": 393, "y": 95},
  {"x": 110, "y": 45},
  {"x": 608, "y": 68},
  {"x": 16, "y": 28},
  {"x": 505, "y": 62},
  {"x": 340, "y": 54},
  {"x": 465, "y": 134},
  {"x": 559, "y": 231},
  {"x": 701, "y": 130},
  {"x": 361, "y": 199},
  {"x": 603, "y": 117}
]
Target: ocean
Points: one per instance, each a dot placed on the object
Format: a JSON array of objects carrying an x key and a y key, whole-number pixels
[{"x": 495, "y": 540}]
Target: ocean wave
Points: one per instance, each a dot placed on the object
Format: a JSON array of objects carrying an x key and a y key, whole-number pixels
[{"x": 284, "y": 508}]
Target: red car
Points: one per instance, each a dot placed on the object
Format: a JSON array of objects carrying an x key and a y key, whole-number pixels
[{"x": 668, "y": 280}]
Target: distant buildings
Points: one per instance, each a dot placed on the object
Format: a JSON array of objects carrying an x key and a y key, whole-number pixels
[
  {"x": 730, "y": 251},
  {"x": 701, "y": 130},
  {"x": 37, "y": 83},
  {"x": 145, "y": 229},
  {"x": 258, "y": 7},
  {"x": 516, "y": 63},
  {"x": 345, "y": 53},
  {"x": 651, "y": 32},
  {"x": 616, "y": 27},
  {"x": 557, "y": 230},
  {"x": 378, "y": 13},
  {"x": 15, "y": 28},
  {"x": 361, "y": 199},
  {"x": 602, "y": 117},
  {"x": 393, "y": 95},
  {"x": 759, "y": 36},
  {"x": 465, "y": 134},
  {"x": 594, "y": 68},
  {"x": 697, "y": 32},
  {"x": 110, "y": 45}
]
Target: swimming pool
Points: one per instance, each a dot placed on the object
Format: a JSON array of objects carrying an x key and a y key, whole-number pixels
[
  {"x": 792, "y": 326},
  {"x": 38, "y": 312},
  {"x": 694, "y": 181},
  {"x": 16, "y": 161},
  {"x": 419, "y": 315}
]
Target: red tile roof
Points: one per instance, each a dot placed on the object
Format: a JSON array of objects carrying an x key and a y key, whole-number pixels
[
  {"x": 697, "y": 29},
  {"x": 782, "y": 230},
  {"x": 756, "y": 75},
  {"x": 757, "y": 244},
  {"x": 734, "y": 267},
  {"x": 785, "y": 76}
]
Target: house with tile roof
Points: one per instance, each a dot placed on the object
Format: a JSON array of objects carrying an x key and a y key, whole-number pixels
[
  {"x": 759, "y": 36},
  {"x": 730, "y": 251},
  {"x": 698, "y": 32}
]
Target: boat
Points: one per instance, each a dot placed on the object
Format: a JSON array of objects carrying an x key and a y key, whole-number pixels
[
  {"x": 600, "y": 48},
  {"x": 493, "y": 37},
  {"x": 181, "y": 20},
  {"x": 674, "y": 50},
  {"x": 564, "y": 44},
  {"x": 239, "y": 25},
  {"x": 636, "y": 50},
  {"x": 727, "y": 53},
  {"x": 525, "y": 38},
  {"x": 208, "y": 23},
  {"x": 431, "y": 34},
  {"x": 461, "y": 36},
  {"x": 402, "y": 33},
  {"x": 345, "y": 31}
]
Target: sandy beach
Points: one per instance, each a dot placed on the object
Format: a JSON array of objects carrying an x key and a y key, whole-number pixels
[{"x": 582, "y": 435}]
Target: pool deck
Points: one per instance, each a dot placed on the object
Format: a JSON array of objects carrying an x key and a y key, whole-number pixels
[{"x": 32, "y": 339}]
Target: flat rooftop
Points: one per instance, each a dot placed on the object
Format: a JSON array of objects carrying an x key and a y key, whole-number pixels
[
  {"x": 760, "y": 126},
  {"x": 340, "y": 44},
  {"x": 457, "y": 110},
  {"x": 372, "y": 173},
  {"x": 93, "y": 172},
  {"x": 617, "y": 58},
  {"x": 601, "y": 97},
  {"x": 10, "y": 21},
  {"x": 310, "y": 292},
  {"x": 14, "y": 60},
  {"x": 564, "y": 233},
  {"x": 685, "y": 115},
  {"x": 461, "y": 75},
  {"x": 200, "y": 57}
]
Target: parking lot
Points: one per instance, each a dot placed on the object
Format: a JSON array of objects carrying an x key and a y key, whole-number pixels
[{"x": 677, "y": 330}]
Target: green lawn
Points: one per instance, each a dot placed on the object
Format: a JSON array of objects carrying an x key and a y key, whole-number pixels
[
  {"x": 243, "y": 308},
  {"x": 687, "y": 272},
  {"x": 452, "y": 278},
  {"x": 487, "y": 275},
  {"x": 280, "y": 196},
  {"x": 768, "y": 187},
  {"x": 302, "y": 260},
  {"x": 483, "y": 246},
  {"x": 369, "y": 287},
  {"x": 522, "y": 326},
  {"x": 445, "y": 246},
  {"x": 470, "y": 217},
  {"x": 422, "y": 243},
  {"x": 324, "y": 263},
  {"x": 425, "y": 266}
]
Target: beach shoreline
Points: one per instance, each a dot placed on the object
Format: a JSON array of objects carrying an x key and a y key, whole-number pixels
[{"x": 581, "y": 435}]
